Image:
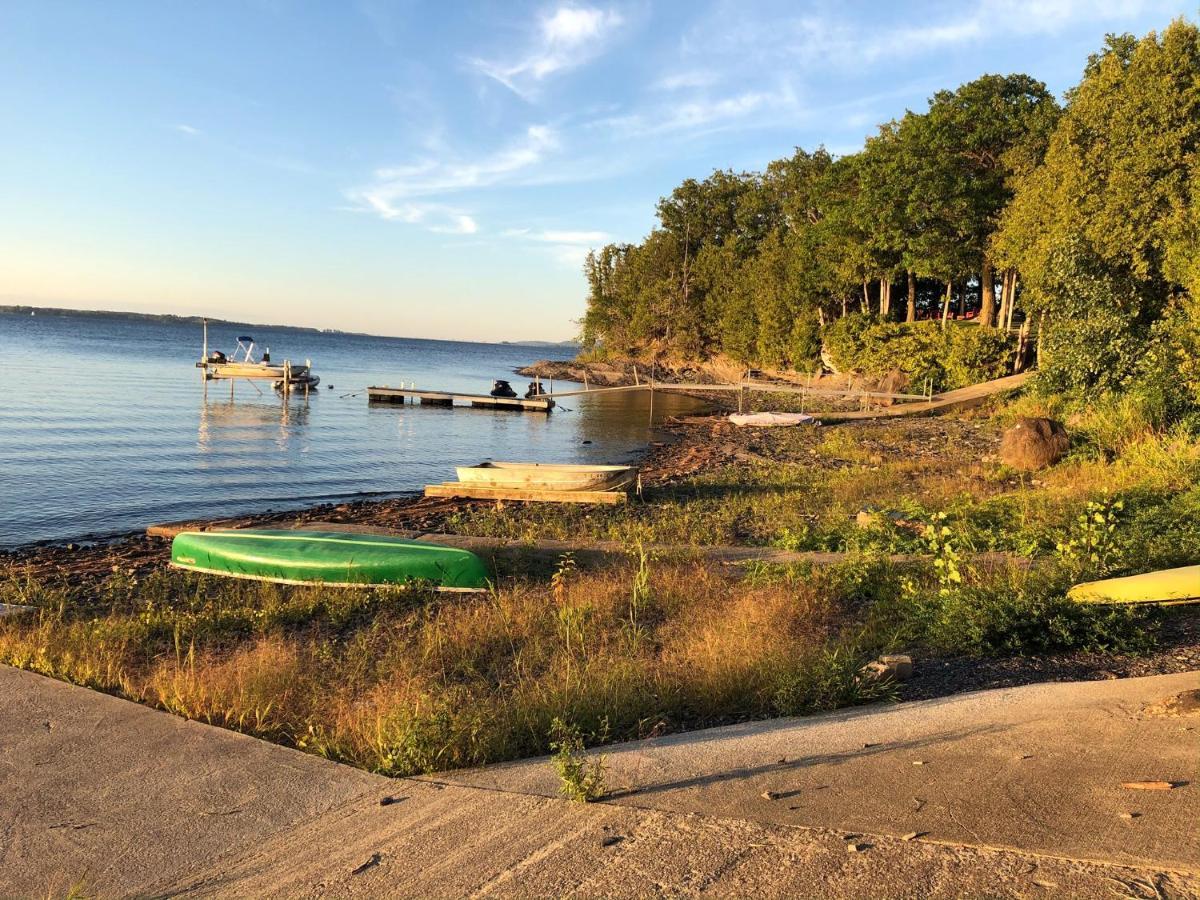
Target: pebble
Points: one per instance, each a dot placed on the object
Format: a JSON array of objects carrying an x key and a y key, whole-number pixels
[
  {"x": 770, "y": 795},
  {"x": 1131, "y": 815},
  {"x": 854, "y": 847}
]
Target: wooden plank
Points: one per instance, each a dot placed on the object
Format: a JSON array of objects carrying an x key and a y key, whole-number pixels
[
  {"x": 962, "y": 398},
  {"x": 477, "y": 492}
]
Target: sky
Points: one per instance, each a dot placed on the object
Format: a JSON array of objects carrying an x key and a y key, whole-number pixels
[{"x": 439, "y": 169}]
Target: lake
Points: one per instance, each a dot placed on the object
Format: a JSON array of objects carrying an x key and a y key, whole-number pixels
[{"x": 105, "y": 425}]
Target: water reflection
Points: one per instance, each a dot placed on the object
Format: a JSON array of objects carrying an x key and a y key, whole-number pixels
[{"x": 227, "y": 423}]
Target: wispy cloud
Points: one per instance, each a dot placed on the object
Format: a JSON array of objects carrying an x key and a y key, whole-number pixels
[
  {"x": 435, "y": 217},
  {"x": 396, "y": 192},
  {"x": 693, "y": 78},
  {"x": 566, "y": 246},
  {"x": 706, "y": 113},
  {"x": 189, "y": 130},
  {"x": 826, "y": 38},
  {"x": 564, "y": 38}
]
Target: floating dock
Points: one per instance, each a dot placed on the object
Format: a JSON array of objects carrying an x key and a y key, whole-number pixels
[{"x": 449, "y": 398}]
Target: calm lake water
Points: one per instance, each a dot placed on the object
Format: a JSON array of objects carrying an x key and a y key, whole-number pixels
[{"x": 105, "y": 426}]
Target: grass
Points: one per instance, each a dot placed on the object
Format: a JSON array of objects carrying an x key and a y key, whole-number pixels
[{"x": 401, "y": 682}]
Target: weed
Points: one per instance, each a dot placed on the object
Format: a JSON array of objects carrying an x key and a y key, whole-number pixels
[
  {"x": 582, "y": 777},
  {"x": 1094, "y": 544}
]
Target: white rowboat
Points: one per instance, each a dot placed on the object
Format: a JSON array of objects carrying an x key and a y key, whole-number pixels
[{"x": 547, "y": 476}]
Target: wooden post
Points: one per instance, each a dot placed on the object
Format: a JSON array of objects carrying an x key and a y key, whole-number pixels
[
  {"x": 652, "y": 404},
  {"x": 636, "y": 380}
]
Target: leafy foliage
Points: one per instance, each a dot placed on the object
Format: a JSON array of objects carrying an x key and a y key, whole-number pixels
[{"x": 948, "y": 357}]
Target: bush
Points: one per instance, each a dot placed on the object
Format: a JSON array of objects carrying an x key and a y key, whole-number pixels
[
  {"x": 949, "y": 357},
  {"x": 1020, "y": 613}
]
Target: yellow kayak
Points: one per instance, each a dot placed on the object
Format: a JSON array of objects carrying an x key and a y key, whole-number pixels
[{"x": 1168, "y": 586}]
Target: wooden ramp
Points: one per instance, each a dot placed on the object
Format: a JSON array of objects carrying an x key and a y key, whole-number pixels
[
  {"x": 963, "y": 398},
  {"x": 479, "y": 492},
  {"x": 449, "y": 398}
]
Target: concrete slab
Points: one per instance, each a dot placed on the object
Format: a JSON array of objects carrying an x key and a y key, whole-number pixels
[
  {"x": 136, "y": 802},
  {"x": 1036, "y": 768},
  {"x": 122, "y": 797}
]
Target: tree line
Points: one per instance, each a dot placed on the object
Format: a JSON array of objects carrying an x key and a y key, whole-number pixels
[{"x": 997, "y": 198}]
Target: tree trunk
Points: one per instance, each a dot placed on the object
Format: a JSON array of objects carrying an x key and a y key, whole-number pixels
[
  {"x": 1012, "y": 299},
  {"x": 844, "y": 310},
  {"x": 962, "y": 301},
  {"x": 866, "y": 297},
  {"x": 883, "y": 297},
  {"x": 987, "y": 294},
  {"x": 1002, "y": 316},
  {"x": 911, "y": 316},
  {"x": 946, "y": 303}
]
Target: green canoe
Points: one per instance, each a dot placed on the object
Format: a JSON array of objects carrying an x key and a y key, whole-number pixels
[
  {"x": 337, "y": 558},
  {"x": 1168, "y": 586}
]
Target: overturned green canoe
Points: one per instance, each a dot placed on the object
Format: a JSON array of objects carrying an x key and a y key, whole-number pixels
[
  {"x": 1168, "y": 586},
  {"x": 336, "y": 558}
]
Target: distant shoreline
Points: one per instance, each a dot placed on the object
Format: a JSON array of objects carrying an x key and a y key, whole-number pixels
[{"x": 57, "y": 311}]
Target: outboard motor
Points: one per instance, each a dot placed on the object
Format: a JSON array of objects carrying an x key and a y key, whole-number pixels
[{"x": 501, "y": 388}]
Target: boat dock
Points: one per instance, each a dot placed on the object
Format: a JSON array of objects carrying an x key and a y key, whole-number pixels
[{"x": 449, "y": 398}]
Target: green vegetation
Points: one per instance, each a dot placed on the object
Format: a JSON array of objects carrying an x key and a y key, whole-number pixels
[
  {"x": 1087, "y": 213},
  {"x": 408, "y": 681},
  {"x": 945, "y": 357},
  {"x": 582, "y": 779}
]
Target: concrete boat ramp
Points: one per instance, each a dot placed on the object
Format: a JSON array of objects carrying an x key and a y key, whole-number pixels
[{"x": 1016, "y": 792}]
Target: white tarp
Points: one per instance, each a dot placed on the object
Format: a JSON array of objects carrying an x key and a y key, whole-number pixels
[{"x": 769, "y": 419}]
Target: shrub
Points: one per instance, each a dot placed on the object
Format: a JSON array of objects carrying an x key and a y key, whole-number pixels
[{"x": 948, "y": 357}]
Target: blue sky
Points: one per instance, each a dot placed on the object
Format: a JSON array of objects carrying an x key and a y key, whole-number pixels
[{"x": 438, "y": 169}]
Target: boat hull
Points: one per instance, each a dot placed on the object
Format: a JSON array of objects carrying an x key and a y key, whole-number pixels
[
  {"x": 253, "y": 370},
  {"x": 1168, "y": 586},
  {"x": 330, "y": 558},
  {"x": 547, "y": 476}
]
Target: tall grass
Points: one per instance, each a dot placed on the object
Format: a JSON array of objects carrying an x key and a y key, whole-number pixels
[{"x": 427, "y": 683}]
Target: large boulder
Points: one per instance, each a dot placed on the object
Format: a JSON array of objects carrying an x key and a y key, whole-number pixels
[{"x": 1034, "y": 443}]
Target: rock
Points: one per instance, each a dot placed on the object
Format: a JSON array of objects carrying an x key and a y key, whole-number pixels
[
  {"x": 894, "y": 382},
  {"x": 891, "y": 667},
  {"x": 899, "y": 663},
  {"x": 855, "y": 847},
  {"x": 770, "y": 795},
  {"x": 1034, "y": 443}
]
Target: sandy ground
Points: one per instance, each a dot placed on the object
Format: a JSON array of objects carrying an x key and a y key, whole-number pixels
[{"x": 1018, "y": 793}]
